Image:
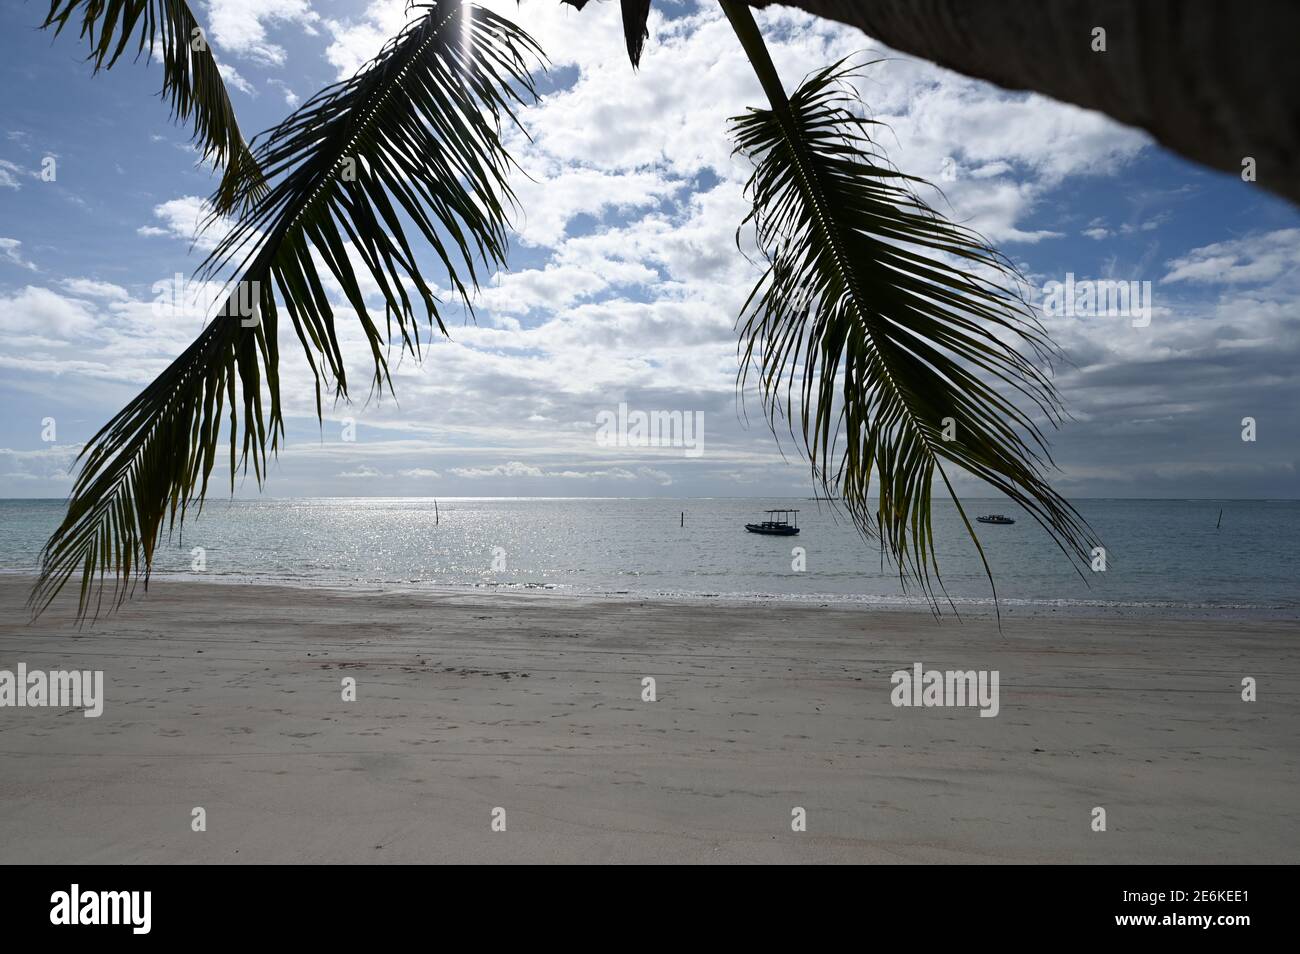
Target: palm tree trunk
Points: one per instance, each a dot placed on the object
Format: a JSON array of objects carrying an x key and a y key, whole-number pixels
[{"x": 1217, "y": 81}]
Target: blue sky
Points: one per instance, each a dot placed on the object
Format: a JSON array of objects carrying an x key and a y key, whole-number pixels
[{"x": 624, "y": 279}]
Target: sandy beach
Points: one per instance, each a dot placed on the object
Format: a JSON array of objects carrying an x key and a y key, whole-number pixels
[{"x": 229, "y": 698}]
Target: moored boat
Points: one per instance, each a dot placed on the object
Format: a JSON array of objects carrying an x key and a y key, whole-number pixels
[{"x": 774, "y": 525}]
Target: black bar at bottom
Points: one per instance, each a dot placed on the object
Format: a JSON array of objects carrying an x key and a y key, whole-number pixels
[{"x": 333, "y": 904}]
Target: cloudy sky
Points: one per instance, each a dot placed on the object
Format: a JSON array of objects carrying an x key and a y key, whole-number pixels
[{"x": 624, "y": 280}]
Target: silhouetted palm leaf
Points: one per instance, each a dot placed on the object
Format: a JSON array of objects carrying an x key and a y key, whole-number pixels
[
  {"x": 861, "y": 314},
  {"x": 635, "y": 15},
  {"x": 192, "y": 84},
  {"x": 421, "y": 127},
  {"x": 635, "y": 32}
]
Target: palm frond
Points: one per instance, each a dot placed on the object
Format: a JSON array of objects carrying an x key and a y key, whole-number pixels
[
  {"x": 192, "y": 82},
  {"x": 414, "y": 137},
  {"x": 863, "y": 316},
  {"x": 636, "y": 13}
]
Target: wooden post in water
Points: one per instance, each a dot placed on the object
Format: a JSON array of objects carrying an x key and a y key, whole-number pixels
[
  {"x": 1216, "y": 526},
  {"x": 436, "y": 517},
  {"x": 683, "y": 518}
]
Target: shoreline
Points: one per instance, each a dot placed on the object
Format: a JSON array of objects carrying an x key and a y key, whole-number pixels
[{"x": 983, "y": 608}]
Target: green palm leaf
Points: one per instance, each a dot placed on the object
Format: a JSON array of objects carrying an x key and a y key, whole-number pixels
[
  {"x": 420, "y": 129},
  {"x": 192, "y": 83},
  {"x": 884, "y": 319}
]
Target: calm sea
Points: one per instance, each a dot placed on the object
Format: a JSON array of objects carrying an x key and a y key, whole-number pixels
[{"x": 1161, "y": 554}]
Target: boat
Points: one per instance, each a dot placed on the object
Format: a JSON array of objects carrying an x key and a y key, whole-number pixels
[
  {"x": 777, "y": 524},
  {"x": 994, "y": 518}
]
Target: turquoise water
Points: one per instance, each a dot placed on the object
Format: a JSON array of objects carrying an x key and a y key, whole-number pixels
[{"x": 1161, "y": 553}]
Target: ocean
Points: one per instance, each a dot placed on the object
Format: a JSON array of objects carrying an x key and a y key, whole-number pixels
[{"x": 1162, "y": 555}]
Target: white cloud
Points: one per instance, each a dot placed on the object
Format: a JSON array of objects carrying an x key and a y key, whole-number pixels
[
  {"x": 90, "y": 288},
  {"x": 40, "y": 311},
  {"x": 555, "y": 195},
  {"x": 233, "y": 78},
  {"x": 658, "y": 476},
  {"x": 45, "y": 465},
  {"x": 517, "y": 469},
  {"x": 9, "y": 248},
  {"x": 361, "y": 472},
  {"x": 1255, "y": 258},
  {"x": 239, "y": 26},
  {"x": 356, "y": 42},
  {"x": 513, "y": 469},
  {"x": 291, "y": 98},
  {"x": 9, "y": 173},
  {"x": 183, "y": 218},
  {"x": 558, "y": 286}
]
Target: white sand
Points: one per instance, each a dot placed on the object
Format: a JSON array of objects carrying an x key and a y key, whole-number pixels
[{"x": 229, "y": 698}]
